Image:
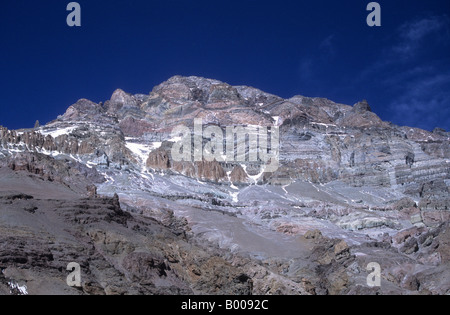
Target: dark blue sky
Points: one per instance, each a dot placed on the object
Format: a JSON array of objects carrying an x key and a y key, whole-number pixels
[{"x": 312, "y": 48}]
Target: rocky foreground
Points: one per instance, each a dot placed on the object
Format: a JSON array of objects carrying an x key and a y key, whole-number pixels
[{"x": 99, "y": 186}]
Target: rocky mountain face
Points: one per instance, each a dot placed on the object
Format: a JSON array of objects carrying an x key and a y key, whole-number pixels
[{"x": 348, "y": 189}]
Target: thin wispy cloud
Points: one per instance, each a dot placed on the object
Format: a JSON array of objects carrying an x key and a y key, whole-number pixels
[
  {"x": 412, "y": 38},
  {"x": 413, "y": 81},
  {"x": 324, "y": 53},
  {"x": 327, "y": 46},
  {"x": 424, "y": 101},
  {"x": 413, "y": 34},
  {"x": 418, "y": 29},
  {"x": 423, "y": 87},
  {"x": 306, "y": 71}
]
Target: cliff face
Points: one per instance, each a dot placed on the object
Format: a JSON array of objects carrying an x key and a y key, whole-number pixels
[
  {"x": 158, "y": 159},
  {"x": 342, "y": 172},
  {"x": 238, "y": 175}
]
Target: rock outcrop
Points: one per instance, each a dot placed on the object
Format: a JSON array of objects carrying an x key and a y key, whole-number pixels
[
  {"x": 238, "y": 175},
  {"x": 159, "y": 160}
]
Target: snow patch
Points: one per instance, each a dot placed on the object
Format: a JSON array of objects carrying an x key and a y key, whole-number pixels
[
  {"x": 23, "y": 290},
  {"x": 278, "y": 120},
  {"x": 235, "y": 196},
  {"x": 284, "y": 188},
  {"x": 145, "y": 174},
  {"x": 90, "y": 164},
  {"x": 58, "y": 132},
  {"x": 175, "y": 139},
  {"x": 234, "y": 187},
  {"x": 322, "y": 124},
  {"x": 141, "y": 151},
  {"x": 255, "y": 178},
  {"x": 109, "y": 179}
]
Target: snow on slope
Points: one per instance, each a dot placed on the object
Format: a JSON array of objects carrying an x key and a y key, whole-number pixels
[
  {"x": 140, "y": 150},
  {"x": 58, "y": 132}
]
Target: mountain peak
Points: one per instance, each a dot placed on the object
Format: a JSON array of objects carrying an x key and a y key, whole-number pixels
[
  {"x": 120, "y": 99},
  {"x": 82, "y": 108},
  {"x": 362, "y": 107}
]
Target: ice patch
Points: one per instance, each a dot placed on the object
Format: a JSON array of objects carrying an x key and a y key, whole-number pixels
[
  {"x": 231, "y": 183},
  {"x": 77, "y": 159},
  {"x": 141, "y": 151},
  {"x": 318, "y": 190},
  {"x": 145, "y": 174},
  {"x": 255, "y": 178},
  {"x": 109, "y": 179},
  {"x": 322, "y": 124},
  {"x": 23, "y": 290},
  {"x": 90, "y": 164},
  {"x": 58, "y": 132},
  {"x": 235, "y": 196},
  {"x": 284, "y": 188},
  {"x": 278, "y": 120},
  {"x": 175, "y": 139}
]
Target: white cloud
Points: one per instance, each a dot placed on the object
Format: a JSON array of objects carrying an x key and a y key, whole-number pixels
[
  {"x": 410, "y": 38},
  {"x": 308, "y": 66},
  {"x": 424, "y": 102},
  {"x": 306, "y": 69},
  {"x": 413, "y": 33},
  {"x": 327, "y": 47},
  {"x": 418, "y": 29},
  {"x": 409, "y": 70}
]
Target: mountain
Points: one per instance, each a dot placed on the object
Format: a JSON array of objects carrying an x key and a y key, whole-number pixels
[{"x": 207, "y": 188}]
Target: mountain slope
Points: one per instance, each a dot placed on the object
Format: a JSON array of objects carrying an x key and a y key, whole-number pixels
[{"x": 379, "y": 188}]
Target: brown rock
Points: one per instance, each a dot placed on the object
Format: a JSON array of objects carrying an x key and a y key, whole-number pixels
[
  {"x": 212, "y": 171},
  {"x": 92, "y": 191},
  {"x": 185, "y": 168},
  {"x": 238, "y": 175},
  {"x": 341, "y": 249},
  {"x": 132, "y": 127},
  {"x": 362, "y": 107},
  {"x": 434, "y": 218},
  {"x": 404, "y": 235},
  {"x": 145, "y": 267},
  {"x": 158, "y": 159},
  {"x": 404, "y": 203},
  {"x": 411, "y": 246},
  {"x": 314, "y": 234}
]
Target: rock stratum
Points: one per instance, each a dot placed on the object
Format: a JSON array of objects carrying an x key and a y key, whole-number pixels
[{"x": 100, "y": 186}]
